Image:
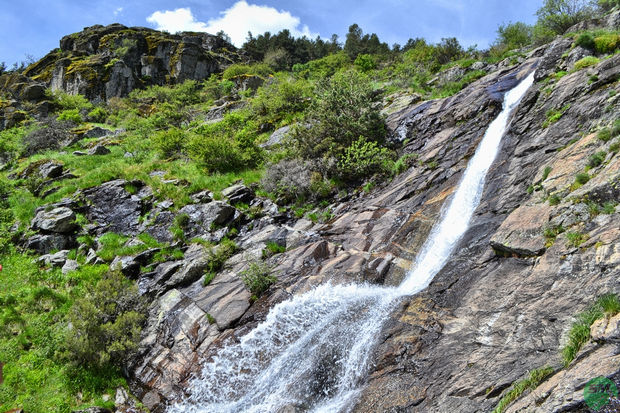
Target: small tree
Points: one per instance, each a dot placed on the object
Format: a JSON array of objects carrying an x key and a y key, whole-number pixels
[
  {"x": 559, "y": 15},
  {"x": 514, "y": 35},
  {"x": 343, "y": 110}
]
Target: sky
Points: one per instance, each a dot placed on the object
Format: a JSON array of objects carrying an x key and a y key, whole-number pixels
[{"x": 31, "y": 28}]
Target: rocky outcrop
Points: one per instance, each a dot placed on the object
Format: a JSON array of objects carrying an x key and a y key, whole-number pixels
[{"x": 107, "y": 61}]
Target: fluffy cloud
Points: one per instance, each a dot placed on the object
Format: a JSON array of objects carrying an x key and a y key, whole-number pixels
[{"x": 235, "y": 21}]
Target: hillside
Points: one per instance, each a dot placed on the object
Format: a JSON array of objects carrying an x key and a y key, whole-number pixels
[{"x": 161, "y": 194}]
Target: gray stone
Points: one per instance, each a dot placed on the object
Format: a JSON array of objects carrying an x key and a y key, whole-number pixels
[
  {"x": 70, "y": 265},
  {"x": 60, "y": 220},
  {"x": 127, "y": 265},
  {"x": 113, "y": 208},
  {"x": 202, "y": 197},
  {"x": 276, "y": 137},
  {"x": 55, "y": 260},
  {"x": 203, "y": 216},
  {"x": 238, "y": 194},
  {"x": 45, "y": 243},
  {"x": 99, "y": 150},
  {"x": 51, "y": 170},
  {"x": 97, "y": 132}
]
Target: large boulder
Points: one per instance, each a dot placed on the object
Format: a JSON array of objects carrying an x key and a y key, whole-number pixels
[
  {"x": 202, "y": 218},
  {"x": 59, "y": 220},
  {"x": 115, "y": 209}
]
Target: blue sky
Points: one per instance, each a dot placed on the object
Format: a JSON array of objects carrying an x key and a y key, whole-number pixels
[{"x": 34, "y": 27}]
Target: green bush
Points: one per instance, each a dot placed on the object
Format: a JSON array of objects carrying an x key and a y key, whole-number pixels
[
  {"x": 186, "y": 93},
  {"x": 585, "y": 40},
  {"x": 575, "y": 239},
  {"x": 607, "y": 43},
  {"x": 365, "y": 62},
  {"x": 106, "y": 323},
  {"x": 6, "y": 217},
  {"x": 586, "y": 62},
  {"x": 604, "y": 135},
  {"x": 219, "y": 254},
  {"x": 582, "y": 178},
  {"x": 342, "y": 111},
  {"x": 362, "y": 159},
  {"x": 257, "y": 278},
  {"x": 615, "y": 129},
  {"x": 228, "y": 145},
  {"x": 99, "y": 115},
  {"x": 67, "y": 101},
  {"x": 70, "y": 115},
  {"x": 236, "y": 70},
  {"x": 596, "y": 159},
  {"x": 281, "y": 101},
  {"x": 170, "y": 143}
]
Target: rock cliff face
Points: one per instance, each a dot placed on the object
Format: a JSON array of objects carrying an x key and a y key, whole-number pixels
[
  {"x": 503, "y": 304},
  {"x": 107, "y": 61}
]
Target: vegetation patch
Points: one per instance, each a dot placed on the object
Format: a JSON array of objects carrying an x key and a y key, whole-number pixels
[
  {"x": 579, "y": 333},
  {"x": 535, "y": 378},
  {"x": 554, "y": 115}
]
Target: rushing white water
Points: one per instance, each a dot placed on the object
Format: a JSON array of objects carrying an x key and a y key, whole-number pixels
[{"x": 312, "y": 352}]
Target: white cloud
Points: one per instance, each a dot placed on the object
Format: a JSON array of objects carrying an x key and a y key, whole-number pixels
[
  {"x": 118, "y": 11},
  {"x": 235, "y": 22}
]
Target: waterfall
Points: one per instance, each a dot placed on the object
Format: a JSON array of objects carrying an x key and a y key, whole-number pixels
[{"x": 312, "y": 351}]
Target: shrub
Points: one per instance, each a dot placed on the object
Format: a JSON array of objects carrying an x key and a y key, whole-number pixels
[
  {"x": 170, "y": 142},
  {"x": 582, "y": 178},
  {"x": 615, "y": 129},
  {"x": 272, "y": 248},
  {"x": 575, "y": 239},
  {"x": 604, "y": 135},
  {"x": 67, "y": 101},
  {"x": 257, "y": 69},
  {"x": 585, "y": 40},
  {"x": 363, "y": 159},
  {"x": 554, "y": 200},
  {"x": 257, "y": 278},
  {"x": 596, "y": 159},
  {"x": 282, "y": 100},
  {"x": 365, "y": 62},
  {"x": 226, "y": 146},
  {"x": 219, "y": 254},
  {"x": 607, "y": 43},
  {"x": 70, "y": 115},
  {"x": 106, "y": 323},
  {"x": 343, "y": 110},
  {"x": 99, "y": 115},
  {"x": 586, "y": 62}
]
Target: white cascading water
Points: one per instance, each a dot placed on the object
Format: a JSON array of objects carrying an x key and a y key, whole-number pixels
[{"x": 312, "y": 352}]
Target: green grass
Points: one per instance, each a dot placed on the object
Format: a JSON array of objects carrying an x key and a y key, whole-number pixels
[
  {"x": 33, "y": 309},
  {"x": 575, "y": 239},
  {"x": 554, "y": 115},
  {"x": 273, "y": 248},
  {"x": 535, "y": 378},
  {"x": 579, "y": 333},
  {"x": 546, "y": 172}
]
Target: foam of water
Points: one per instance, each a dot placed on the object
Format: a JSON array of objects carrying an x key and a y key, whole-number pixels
[{"x": 312, "y": 352}]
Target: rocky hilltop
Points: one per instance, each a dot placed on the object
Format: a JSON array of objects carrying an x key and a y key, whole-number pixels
[
  {"x": 543, "y": 244},
  {"x": 101, "y": 62}
]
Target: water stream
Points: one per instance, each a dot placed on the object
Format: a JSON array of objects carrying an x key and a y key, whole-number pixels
[{"x": 312, "y": 352}]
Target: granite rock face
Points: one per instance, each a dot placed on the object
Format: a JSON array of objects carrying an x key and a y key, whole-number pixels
[
  {"x": 108, "y": 61},
  {"x": 505, "y": 301}
]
